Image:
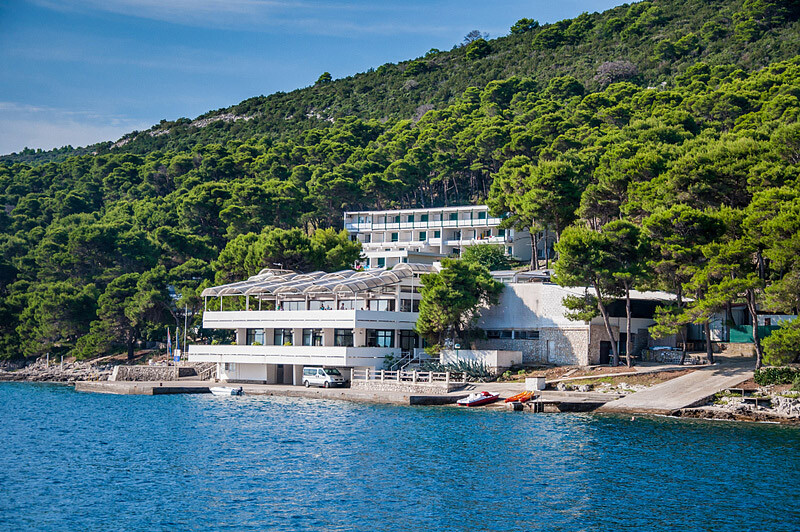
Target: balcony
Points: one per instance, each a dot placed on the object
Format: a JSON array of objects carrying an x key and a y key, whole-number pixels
[
  {"x": 295, "y": 354},
  {"x": 309, "y": 319}
]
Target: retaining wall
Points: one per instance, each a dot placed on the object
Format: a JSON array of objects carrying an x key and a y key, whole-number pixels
[
  {"x": 151, "y": 373},
  {"x": 404, "y": 387}
]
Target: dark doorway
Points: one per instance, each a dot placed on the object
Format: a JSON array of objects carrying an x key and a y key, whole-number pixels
[
  {"x": 605, "y": 352},
  {"x": 280, "y": 374}
]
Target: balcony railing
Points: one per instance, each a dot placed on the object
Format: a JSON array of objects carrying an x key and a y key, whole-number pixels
[
  {"x": 291, "y": 354},
  {"x": 432, "y": 224},
  {"x": 289, "y": 319}
]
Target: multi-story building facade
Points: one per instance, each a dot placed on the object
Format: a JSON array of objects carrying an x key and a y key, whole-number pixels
[
  {"x": 427, "y": 235},
  {"x": 347, "y": 319}
]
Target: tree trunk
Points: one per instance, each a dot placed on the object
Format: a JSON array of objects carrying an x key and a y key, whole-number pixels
[
  {"x": 750, "y": 297},
  {"x": 628, "y": 343},
  {"x": 707, "y": 333},
  {"x": 534, "y": 250},
  {"x": 131, "y": 343},
  {"x": 546, "y": 248},
  {"x": 602, "y": 308}
]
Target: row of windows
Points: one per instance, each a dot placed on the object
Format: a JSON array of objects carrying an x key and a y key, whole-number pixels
[
  {"x": 454, "y": 235},
  {"x": 341, "y": 338},
  {"x": 411, "y": 218},
  {"x": 515, "y": 334}
]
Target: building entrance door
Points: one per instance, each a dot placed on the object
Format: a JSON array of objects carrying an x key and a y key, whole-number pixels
[
  {"x": 280, "y": 374},
  {"x": 605, "y": 352}
]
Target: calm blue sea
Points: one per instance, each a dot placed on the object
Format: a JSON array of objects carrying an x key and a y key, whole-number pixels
[{"x": 73, "y": 461}]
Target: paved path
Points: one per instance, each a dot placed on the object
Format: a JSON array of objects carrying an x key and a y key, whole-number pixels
[{"x": 687, "y": 391}]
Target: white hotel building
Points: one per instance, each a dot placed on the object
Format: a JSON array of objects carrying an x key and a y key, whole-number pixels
[
  {"x": 428, "y": 235},
  {"x": 347, "y": 319}
]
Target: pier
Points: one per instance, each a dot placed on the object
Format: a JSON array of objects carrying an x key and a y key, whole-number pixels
[{"x": 547, "y": 401}]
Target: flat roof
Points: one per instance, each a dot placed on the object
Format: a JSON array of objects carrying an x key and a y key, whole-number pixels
[{"x": 423, "y": 209}]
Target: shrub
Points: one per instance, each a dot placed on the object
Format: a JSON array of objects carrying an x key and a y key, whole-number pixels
[
  {"x": 796, "y": 384},
  {"x": 478, "y": 49},
  {"x": 783, "y": 346},
  {"x": 614, "y": 71},
  {"x": 776, "y": 375}
]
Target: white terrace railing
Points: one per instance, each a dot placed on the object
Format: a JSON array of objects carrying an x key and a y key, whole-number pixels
[{"x": 408, "y": 377}]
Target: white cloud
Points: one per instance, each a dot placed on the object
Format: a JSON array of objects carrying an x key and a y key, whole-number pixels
[
  {"x": 315, "y": 18},
  {"x": 24, "y": 125}
]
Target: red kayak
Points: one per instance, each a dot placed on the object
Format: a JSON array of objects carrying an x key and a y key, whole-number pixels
[{"x": 478, "y": 399}]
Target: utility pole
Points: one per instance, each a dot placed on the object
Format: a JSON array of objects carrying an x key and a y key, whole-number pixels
[{"x": 185, "y": 321}]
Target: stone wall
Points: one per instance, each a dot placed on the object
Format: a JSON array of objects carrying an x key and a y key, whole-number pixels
[
  {"x": 151, "y": 373},
  {"x": 569, "y": 346},
  {"x": 738, "y": 350},
  {"x": 530, "y": 349},
  {"x": 404, "y": 387}
]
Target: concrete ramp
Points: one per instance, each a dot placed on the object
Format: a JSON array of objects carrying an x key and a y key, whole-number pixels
[{"x": 687, "y": 391}]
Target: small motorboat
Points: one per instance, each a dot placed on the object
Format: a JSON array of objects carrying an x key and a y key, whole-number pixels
[
  {"x": 478, "y": 399},
  {"x": 224, "y": 390},
  {"x": 522, "y": 397}
]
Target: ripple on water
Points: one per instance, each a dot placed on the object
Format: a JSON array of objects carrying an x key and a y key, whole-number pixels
[{"x": 100, "y": 462}]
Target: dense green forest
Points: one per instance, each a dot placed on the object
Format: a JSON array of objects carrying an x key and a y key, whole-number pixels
[{"x": 679, "y": 119}]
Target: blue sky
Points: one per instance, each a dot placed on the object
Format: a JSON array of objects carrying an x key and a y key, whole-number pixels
[{"x": 81, "y": 71}]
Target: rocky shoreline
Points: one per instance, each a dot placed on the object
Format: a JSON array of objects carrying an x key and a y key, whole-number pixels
[{"x": 70, "y": 372}]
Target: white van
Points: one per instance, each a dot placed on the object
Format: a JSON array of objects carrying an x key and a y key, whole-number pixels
[{"x": 319, "y": 376}]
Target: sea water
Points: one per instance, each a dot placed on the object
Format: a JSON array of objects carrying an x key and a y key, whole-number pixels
[{"x": 76, "y": 461}]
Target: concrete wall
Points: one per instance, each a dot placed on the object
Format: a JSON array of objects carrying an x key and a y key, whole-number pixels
[{"x": 529, "y": 306}]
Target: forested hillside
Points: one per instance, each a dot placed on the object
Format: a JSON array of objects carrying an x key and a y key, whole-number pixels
[
  {"x": 94, "y": 247},
  {"x": 647, "y": 43}
]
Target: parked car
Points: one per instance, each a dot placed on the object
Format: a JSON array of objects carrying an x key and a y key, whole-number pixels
[{"x": 319, "y": 376}]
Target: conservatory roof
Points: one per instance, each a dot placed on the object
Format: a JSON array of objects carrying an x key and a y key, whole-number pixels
[{"x": 282, "y": 282}]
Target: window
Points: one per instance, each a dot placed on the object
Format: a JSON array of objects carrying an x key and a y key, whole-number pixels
[
  {"x": 423, "y": 235},
  {"x": 456, "y": 235},
  {"x": 409, "y": 305},
  {"x": 397, "y": 219},
  {"x": 481, "y": 216},
  {"x": 230, "y": 366},
  {"x": 312, "y": 336},
  {"x": 343, "y": 337},
  {"x": 501, "y": 232},
  {"x": 410, "y": 218},
  {"x": 498, "y": 334},
  {"x": 380, "y": 338},
  {"x": 454, "y": 216},
  {"x": 508, "y": 250},
  {"x": 526, "y": 335},
  {"x": 382, "y": 305},
  {"x": 395, "y": 237},
  {"x": 292, "y": 305},
  {"x": 423, "y": 218},
  {"x": 437, "y": 234},
  {"x": 283, "y": 337},
  {"x": 381, "y": 262},
  {"x": 409, "y": 289},
  {"x": 255, "y": 336}
]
